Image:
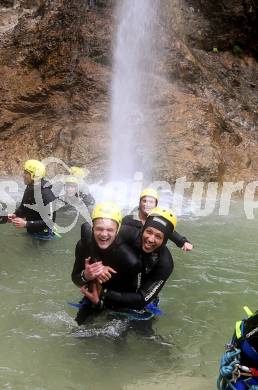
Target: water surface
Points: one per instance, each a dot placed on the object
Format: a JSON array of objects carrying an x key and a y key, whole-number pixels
[{"x": 42, "y": 348}]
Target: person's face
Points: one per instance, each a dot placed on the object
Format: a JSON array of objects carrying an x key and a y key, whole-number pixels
[
  {"x": 147, "y": 203},
  {"x": 152, "y": 239},
  {"x": 70, "y": 189},
  {"x": 104, "y": 231},
  {"x": 27, "y": 178}
]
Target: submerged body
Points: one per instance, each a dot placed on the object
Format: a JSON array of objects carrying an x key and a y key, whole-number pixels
[
  {"x": 154, "y": 263},
  {"x": 111, "y": 252},
  {"x": 155, "y": 269}
]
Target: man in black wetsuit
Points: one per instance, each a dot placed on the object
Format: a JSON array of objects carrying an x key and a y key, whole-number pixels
[
  {"x": 73, "y": 199},
  {"x": 35, "y": 212},
  {"x": 148, "y": 200},
  {"x": 156, "y": 263},
  {"x": 101, "y": 256}
]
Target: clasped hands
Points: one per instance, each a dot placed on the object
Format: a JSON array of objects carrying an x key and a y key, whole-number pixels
[{"x": 96, "y": 273}]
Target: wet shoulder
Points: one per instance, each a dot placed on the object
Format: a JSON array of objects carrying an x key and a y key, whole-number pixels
[
  {"x": 46, "y": 190},
  {"x": 80, "y": 250},
  {"x": 129, "y": 220},
  {"x": 130, "y": 235},
  {"x": 165, "y": 257}
]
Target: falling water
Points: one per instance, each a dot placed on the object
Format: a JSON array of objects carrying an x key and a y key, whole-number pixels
[{"x": 135, "y": 63}]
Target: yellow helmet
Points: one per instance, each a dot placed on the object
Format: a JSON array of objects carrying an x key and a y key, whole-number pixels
[
  {"x": 150, "y": 192},
  {"x": 35, "y": 168},
  {"x": 78, "y": 172},
  {"x": 162, "y": 219},
  {"x": 167, "y": 214},
  {"x": 72, "y": 180},
  {"x": 107, "y": 210}
]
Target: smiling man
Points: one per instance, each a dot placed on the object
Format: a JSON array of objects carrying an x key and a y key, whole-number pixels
[
  {"x": 105, "y": 231},
  {"x": 151, "y": 239},
  {"x": 155, "y": 260},
  {"x": 102, "y": 257}
]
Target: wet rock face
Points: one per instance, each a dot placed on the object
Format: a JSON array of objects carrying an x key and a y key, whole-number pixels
[
  {"x": 216, "y": 78},
  {"x": 6, "y": 3},
  {"x": 55, "y": 73},
  {"x": 223, "y": 24},
  {"x": 51, "y": 78}
]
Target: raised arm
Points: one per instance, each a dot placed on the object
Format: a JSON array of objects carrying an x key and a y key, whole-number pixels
[{"x": 181, "y": 241}]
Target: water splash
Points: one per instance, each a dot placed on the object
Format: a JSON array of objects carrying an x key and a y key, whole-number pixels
[
  {"x": 54, "y": 319},
  {"x": 135, "y": 62},
  {"x": 112, "y": 329}
]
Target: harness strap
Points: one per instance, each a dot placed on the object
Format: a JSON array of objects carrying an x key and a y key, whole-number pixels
[
  {"x": 248, "y": 311},
  {"x": 238, "y": 329}
]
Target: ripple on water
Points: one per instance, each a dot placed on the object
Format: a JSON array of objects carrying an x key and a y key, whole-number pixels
[
  {"x": 173, "y": 381},
  {"x": 112, "y": 329},
  {"x": 11, "y": 370},
  {"x": 55, "y": 319},
  {"x": 201, "y": 302}
]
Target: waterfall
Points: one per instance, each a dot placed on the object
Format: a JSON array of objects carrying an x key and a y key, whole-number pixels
[{"x": 135, "y": 61}]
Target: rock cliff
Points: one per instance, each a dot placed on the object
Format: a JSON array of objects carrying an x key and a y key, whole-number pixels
[{"x": 55, "y": 74}]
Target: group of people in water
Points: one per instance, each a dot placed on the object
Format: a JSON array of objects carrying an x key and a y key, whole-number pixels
[
  {"x": 122, "y": 263},
  {"x": 37, "y": 210}
]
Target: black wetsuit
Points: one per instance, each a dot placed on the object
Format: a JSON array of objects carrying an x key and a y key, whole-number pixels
[
  {"x": 35, "y": 223},
  {"x": 156, "y": 267},
  {"x": 179, "y": 240},
  {"x": 119, "y": 256},
  {"x": 137, "y": 282},
  {"x": 3, "y": 213},
  {"x": 86, "y": 199},
  {"x": 3, "y": 218}
]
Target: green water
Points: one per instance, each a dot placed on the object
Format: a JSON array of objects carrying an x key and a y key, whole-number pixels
[{"x": 43, "y": 349}]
